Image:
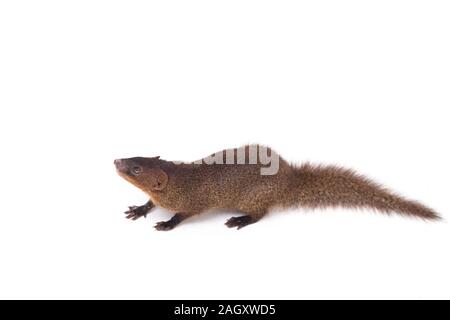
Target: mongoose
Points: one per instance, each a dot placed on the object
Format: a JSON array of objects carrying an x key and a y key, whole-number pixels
[{"x": 230, "y": 183}]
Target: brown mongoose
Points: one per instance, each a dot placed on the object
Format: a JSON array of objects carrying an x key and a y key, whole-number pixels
[{"x": 233, "y": 179}]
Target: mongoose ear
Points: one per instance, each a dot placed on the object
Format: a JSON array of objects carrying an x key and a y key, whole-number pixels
[{"x": 161, "y": 180}]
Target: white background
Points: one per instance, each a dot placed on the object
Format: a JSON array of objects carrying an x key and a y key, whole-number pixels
[{"x": 364, "y": 84}]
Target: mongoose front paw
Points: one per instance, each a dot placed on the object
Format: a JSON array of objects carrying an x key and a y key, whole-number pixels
[
  {"x": 135, "y": 212},
  {"x": 164, "y": 225},
  {"x": 239, "y": 222}
]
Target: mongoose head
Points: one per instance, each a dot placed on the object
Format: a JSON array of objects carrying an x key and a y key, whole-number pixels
[{"x": 144, "y": 173}]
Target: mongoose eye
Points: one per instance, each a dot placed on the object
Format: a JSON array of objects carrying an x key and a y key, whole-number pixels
[{"x": 136, "y": 170}]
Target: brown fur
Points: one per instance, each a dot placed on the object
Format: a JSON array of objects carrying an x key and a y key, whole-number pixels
[{"x": 190, "y": 188}]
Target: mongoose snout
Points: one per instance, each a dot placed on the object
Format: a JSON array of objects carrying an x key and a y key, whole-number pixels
[
  {"x": 120, "y": 165},
  {"x": 128, "y": 167}
]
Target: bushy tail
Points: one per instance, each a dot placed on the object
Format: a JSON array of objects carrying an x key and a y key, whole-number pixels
[{"x": 331, "y": 186}]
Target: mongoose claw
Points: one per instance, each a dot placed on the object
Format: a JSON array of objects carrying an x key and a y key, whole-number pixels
[
  {"x": 135, "y": 212},
  {"x": 239, "y": 222}
]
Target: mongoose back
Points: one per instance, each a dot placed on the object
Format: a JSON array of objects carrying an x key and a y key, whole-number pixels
[{"x": 240, "y": 185}]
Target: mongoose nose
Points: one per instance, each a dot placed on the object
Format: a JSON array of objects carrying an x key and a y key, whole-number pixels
[{"x": 117, "y": 162}]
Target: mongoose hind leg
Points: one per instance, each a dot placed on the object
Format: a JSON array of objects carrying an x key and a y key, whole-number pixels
[
  {"x": 172, "y": 223},
  {"x": 255, "y": 205},
  {"x": 135, "y": 212}
]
